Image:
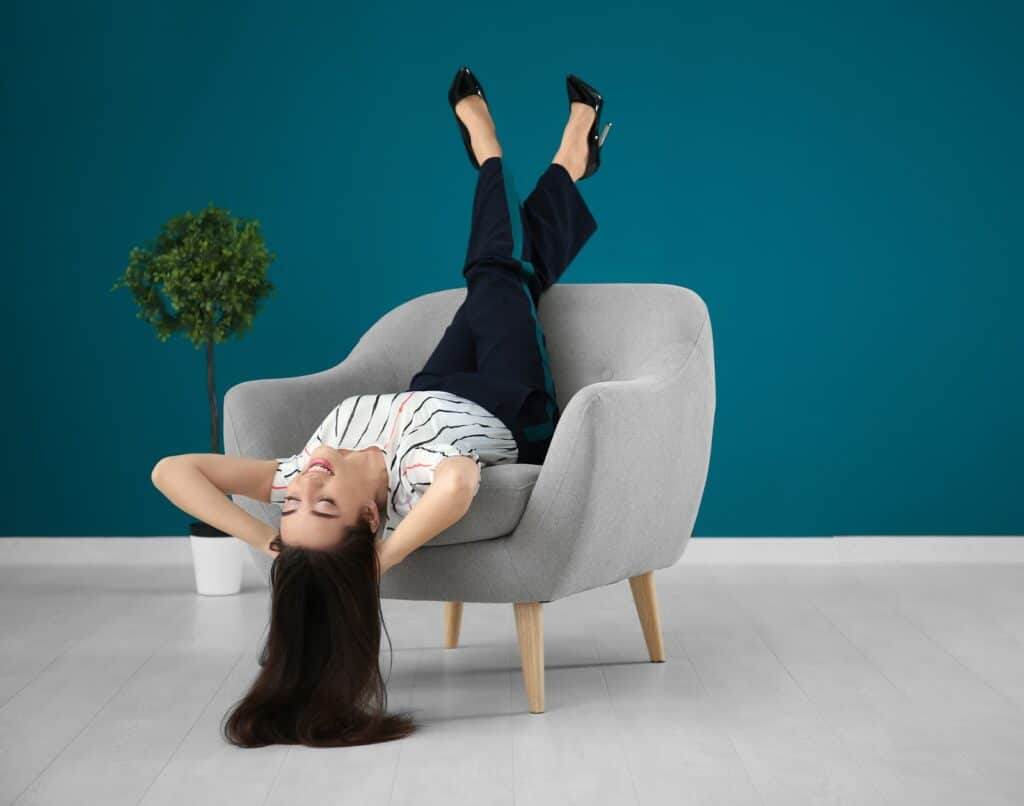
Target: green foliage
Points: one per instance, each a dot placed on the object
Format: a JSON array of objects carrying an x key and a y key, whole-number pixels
[{"x": 212, "y": 269}]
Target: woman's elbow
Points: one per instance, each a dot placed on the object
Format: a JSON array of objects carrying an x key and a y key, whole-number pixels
[{"x": 160, "y": 469}]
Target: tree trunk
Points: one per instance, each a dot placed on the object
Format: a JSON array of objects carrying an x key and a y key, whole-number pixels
[{"x": 211, "y": 391}]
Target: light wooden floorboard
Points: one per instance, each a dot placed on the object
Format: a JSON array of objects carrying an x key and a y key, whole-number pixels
[
  {"x": 957, "y": 739},
  {"x": 791, "y": 752},
  {"x": 783, "y": 684},
  {"x": 32, "y": 638}
]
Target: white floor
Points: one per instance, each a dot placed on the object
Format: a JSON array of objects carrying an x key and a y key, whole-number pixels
[{"x": 784, "y": 684}]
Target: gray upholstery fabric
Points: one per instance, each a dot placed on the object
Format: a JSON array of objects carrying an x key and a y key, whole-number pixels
[{"x": 619, "y": 491}]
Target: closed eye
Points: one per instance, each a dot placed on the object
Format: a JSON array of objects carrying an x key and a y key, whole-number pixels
[{"x": 315, "y": 512}]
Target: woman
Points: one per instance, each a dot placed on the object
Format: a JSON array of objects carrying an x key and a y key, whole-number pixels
[{"x": 401, "y": 467}]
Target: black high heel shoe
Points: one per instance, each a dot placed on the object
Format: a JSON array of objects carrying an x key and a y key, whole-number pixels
[
  {"x": 580, "y": 91},
  {"x": 465, "y": 84}
]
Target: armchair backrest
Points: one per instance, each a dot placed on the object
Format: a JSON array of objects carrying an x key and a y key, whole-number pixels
[{"x": 593, "y": 331}]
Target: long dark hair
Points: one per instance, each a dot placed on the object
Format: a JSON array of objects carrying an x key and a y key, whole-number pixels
[{"x": 320, "y": 683}]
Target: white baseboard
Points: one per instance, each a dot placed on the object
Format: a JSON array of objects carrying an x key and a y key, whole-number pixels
[{"x": 842, "y": 549}]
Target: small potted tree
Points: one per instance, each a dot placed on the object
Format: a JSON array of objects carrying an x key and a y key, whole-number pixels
[{"x": 204, "y": 278}]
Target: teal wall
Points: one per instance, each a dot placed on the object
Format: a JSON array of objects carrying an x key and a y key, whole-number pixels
[{"x": 841, "y": 183}]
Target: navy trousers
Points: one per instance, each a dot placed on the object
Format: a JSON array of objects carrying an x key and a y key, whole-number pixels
[{"x": 493, "y": 352}]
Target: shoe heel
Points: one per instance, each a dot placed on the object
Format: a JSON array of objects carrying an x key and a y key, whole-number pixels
[{"x": 604, "y": 134}]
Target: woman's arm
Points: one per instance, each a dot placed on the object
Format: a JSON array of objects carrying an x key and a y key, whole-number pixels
[
  {"x": 446, "y": 500},
  {"x": 198, "y": 483}
]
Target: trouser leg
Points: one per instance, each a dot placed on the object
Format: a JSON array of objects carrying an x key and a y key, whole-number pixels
[
  {"x": 503, "y": 290},
  {"x": 558, "y": 224}
]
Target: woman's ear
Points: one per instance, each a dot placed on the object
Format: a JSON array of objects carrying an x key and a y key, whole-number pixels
[{"x": 372, "y": 514}]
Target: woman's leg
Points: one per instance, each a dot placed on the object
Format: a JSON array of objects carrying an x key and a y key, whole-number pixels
[
  {"x": 509, "y": 264},
  {"x": 558, "y": 223},
  {"x": 501, "y": 309},
  {"x": 455, "y": 352}
]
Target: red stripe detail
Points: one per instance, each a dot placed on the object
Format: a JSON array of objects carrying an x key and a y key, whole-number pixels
[
  {"x": 421, "y": 464},
  {"x": 395, "y": 424}
]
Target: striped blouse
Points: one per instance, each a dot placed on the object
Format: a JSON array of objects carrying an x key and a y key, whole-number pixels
[{"x": 416, "y": 430}]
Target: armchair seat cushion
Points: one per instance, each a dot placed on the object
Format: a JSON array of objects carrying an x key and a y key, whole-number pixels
[{"x": 498, "y": 506}]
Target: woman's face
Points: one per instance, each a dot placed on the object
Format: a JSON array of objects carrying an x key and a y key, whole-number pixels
[{"x": 329, "y": 494}]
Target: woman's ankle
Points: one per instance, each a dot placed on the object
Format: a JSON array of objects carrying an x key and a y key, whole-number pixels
[
  {"x": 486, "y": 149},
  {"x": 573, "y": 165}
]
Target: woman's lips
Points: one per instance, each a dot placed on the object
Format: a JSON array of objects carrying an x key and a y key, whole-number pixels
[{"x": 323, "y": 463}]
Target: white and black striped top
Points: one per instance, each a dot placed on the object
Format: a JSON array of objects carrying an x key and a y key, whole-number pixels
[{"x": 416, "y": 430}]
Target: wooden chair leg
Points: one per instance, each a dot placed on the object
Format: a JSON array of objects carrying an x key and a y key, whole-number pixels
[
  {"x": 530, "y": 629},
  {"x": 646, "y": 601},
  {"x": 452, "y": 624}
]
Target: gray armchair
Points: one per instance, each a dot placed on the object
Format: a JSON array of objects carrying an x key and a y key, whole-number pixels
[{"x": 618, "y": 493}]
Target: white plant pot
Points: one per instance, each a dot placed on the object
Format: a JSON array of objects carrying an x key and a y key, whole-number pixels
[{"x": 217, "y": 562}]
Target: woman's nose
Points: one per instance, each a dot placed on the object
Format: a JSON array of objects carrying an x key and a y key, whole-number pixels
[{"x": 308, "y": 479}]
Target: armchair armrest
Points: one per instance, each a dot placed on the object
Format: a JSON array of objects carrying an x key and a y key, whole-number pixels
[{"x": 620, "y": 488}]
